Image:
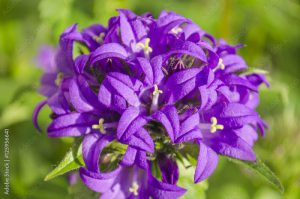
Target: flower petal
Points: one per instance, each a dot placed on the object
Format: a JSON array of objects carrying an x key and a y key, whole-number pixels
[
  {"x": 99, "y": 182},
  {"x": 92, "y": 146},
  {"x": 130, "y": 122},
  {"x": 182, "y": 83},
  {"x": 163, "y": 190},
  {"x": 189, "y": 129},
  {"x": 168, "y": 116},
  {"x": 72, "y": 124},
  {"x": 152, "y": 70},
  {"x": 141, "y": 140},
  {"x": 229, "y": 144},
  {"x": 117, "y": 86},
  {"x": 58, "y": 103},
  {"x": 109, "y": 50},
  {"x": 81, "y": 95},
  {"x": 207, "y": 163},
  {"x": 169, "y": 169},
  {"x": 189, "y": 48},
  {"x": 35, "y": 114}
]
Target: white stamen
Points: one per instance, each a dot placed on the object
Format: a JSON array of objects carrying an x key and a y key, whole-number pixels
[{"x": 155, "y": 93}]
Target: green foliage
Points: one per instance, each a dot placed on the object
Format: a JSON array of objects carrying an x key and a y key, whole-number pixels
[
  {"x": 186, "y": 181},
  {"x": 72, "y": 160},
  {"x": 263, "y": 170}
]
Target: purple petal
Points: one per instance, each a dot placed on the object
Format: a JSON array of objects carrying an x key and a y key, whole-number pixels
[
  {"x": 130, "y": 122},
  {"x": 92, "y": 146},
  {"x": 99, "y": 182},
  {"x": 72, "y": 124},
  {"x": 129, "y": 156},
  {"x": 90, "y": 33},
  {"x": 229, "y": 144},
  {"x": 233, "y": 115},
  {"x": 48, "y": 86},
  {"x": 164, "y": 190},
  {"x": 207, "y": 163},
  {"x": 182, "y": 83},
  {"x": 141, "y": 140},
  {"x": 169, "y": 170},
  {"x": 234, "y": 63},
  {"x": 110, "y": 50},
  {"x": 169, "y": 118},
  {"x": 81, "y": 62},
  {"x": 153, "y": 71},
  {"x": 235, "y": 80},
  {"x": 248, "y": 134},
  {"x": 35, "y": 114},
  {"x": 189, "y": 48},
  {"x": 81, "y": 95},
  {"x": 58, "y": 103},
  {"x": 64, "y": 57},
  {"x": 117, "y": 86},
  {"x": 189, "y": 129}
]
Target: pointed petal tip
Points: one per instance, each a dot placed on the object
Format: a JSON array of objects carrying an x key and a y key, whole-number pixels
[{"x": 35, "y": 115}]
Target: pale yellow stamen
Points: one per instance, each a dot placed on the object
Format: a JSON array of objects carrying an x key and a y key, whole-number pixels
[
  {"x": 176, "y": 30},
  {"x": 99, "y": 38},
  {"x": 59, "y": 78},
  {"x": 214, "y": 125},
  {"x": 134, "y": 189},
  {"x": 156, "y": 90},
  {"x": 220, "y": 64},
  {"x": 100, "y": 126},
  {"x": 145, "y": 46}
]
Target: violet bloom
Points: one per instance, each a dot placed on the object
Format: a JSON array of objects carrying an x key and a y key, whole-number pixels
[
  {"x": 131, "y": 179},
  {"x": 154, "y": 87}
]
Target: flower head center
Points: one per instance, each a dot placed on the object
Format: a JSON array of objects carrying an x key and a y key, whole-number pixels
[
  {"x": 145, "y": 46},
  {"x": 100, "y": 126},
  {"x": 214, "y": 125},
  {"x": 134, "y": 188}
]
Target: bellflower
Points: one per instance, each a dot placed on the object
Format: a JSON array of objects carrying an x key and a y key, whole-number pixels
[{"x": 140, "y": 91}]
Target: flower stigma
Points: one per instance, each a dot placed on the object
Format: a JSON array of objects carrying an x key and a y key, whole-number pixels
[
  {"x": 99, "y": 38},
  {"x": 134, "y": 188},
  {"x": 145, "y": 46},
  {"x": 100, "y": 126},
  {"x": 176, "y": 30},
  {"x": 220, "y": 65},
  {"x": 214, "y": 125},
  {"x": 59, "y": 78}
]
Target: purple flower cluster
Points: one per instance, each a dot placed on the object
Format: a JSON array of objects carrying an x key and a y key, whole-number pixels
[{"x": 140, "y": 91}]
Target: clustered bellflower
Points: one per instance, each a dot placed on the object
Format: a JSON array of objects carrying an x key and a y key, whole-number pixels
[{"x": 140, "y": 91}]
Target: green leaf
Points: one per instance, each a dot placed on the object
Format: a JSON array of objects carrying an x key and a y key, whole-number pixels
[
  {"x": 186, "y": 180},
  {"x": 262, "y": 169},
  {"x": 72, "y": 160}
]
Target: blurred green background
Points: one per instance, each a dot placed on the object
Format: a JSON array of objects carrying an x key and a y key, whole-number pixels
[{"x": 269, "y": 28}]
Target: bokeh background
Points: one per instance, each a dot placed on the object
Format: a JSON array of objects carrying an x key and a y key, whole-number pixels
[{"x": 269, "y": 28}]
